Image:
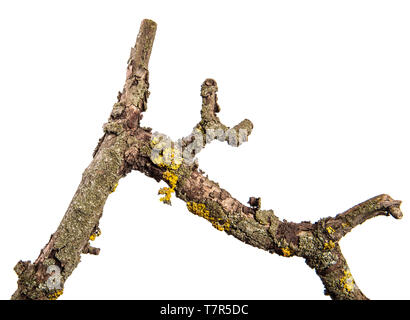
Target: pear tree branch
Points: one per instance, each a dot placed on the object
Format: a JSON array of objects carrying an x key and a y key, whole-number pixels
[{"x": 127, "y": 146}]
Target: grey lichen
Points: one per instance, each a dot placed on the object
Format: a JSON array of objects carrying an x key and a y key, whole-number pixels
[
  {"x": 117, "y": 110},
  {"x": 113, "y": 127},
  {"x": 265, "y": 217}
]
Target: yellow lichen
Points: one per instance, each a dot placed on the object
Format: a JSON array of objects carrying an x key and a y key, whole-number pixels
[
  {"x": 287, "y": 252},
  {"x": 171, "y": 177},
  {"x": 114, "y": 188},
  {"x": 345, "y": 225},
  {"x": 95, "y": 234},
  {"x": 329, "y": 245},
  {"x": 330, "y": 230},
  {"x": 347, "y": 281},
  {"x": 55, "y": 295},
  {"x": 171, "y": 160},
  {"x": 200, "y": 209},
  {"x": 167, "y": 194},
  {"x": 154, "y": 141}
]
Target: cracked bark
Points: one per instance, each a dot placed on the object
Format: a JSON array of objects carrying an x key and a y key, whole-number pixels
[{"x": 127, "y": 146}]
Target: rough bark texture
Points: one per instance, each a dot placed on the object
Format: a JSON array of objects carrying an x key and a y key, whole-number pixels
[
  {"x": 80, "y": 222},
  {"x": 127, "y": 146}
]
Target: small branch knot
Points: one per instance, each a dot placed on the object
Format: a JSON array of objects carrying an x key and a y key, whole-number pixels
[
  {"x": 21, "y": 266},
  {"x": 91, "y": 250},
  {"x": 255, "y": 202}
]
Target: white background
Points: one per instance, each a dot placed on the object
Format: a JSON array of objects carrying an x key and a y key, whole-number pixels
[{"x": 326, "y": 84}]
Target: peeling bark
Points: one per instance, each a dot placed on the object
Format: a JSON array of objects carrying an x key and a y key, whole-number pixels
[{"x": 127, "y": 146}]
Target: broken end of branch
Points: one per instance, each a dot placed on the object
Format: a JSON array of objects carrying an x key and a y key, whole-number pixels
[
  {"x": 381, "y": 205},
  {"x": 392, "y": 207},
  {"x": 144, "y": 43}
]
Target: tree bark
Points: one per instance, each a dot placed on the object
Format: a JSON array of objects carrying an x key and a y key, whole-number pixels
[{"x": 127, "y": 146}]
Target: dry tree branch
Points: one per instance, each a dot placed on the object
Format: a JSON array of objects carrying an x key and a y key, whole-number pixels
[{"x": 127, "y": 146}]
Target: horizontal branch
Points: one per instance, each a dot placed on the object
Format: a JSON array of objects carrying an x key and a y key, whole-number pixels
[
  {"x": 316, "y": 242},
  {"x": 343, "y": 223}
]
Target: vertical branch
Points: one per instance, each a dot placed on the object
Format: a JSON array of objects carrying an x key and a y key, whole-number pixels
[
  {"x": 144, "y": 43},
  {"x": 61, "y": 255}
]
